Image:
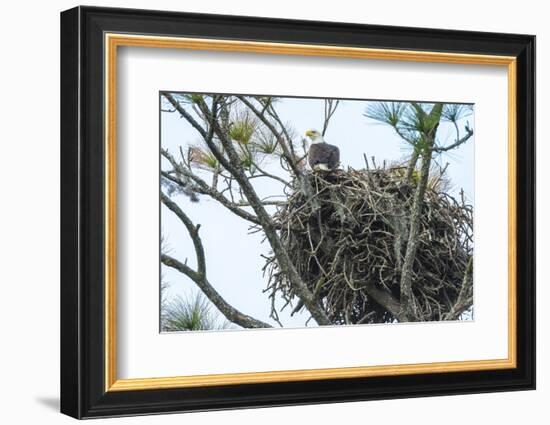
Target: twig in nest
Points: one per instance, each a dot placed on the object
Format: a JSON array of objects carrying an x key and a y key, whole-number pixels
[{"x": 348, "y": 237}]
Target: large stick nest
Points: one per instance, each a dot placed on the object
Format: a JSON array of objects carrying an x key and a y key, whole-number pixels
[{"x": 349, "y": 228}]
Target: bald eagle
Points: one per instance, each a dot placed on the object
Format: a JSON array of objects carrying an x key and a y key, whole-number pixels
[{"x": 321, "y": 155}]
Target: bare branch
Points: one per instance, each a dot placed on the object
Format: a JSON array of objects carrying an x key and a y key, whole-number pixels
[
  {"x": 457, "y": 143},
  {"x": 185, "y": 114},
  {"x": 330, "y": 109},
  {"x": 267, "y": 224},
  {"x": 191, "y": 229},
  {"x": 199, "y": 276},
  {"x": 287, "y": 154},
  {"x": 203, "y": 188},
  {"x": 231, "y": 313}
]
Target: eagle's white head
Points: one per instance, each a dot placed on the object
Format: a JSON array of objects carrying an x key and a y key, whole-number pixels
[{"x": 315, "y": 136}]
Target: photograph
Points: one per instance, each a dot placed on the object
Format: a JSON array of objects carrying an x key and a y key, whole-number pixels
[
  {"x": 292, "y": 212},
  {"x": 262, "y": 211}
]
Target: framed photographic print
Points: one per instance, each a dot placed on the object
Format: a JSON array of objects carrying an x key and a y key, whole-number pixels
[{"x": 262, "y": 212}]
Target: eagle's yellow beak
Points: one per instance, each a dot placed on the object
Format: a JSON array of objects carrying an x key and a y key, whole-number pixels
[{"x": 309, "y": 133}]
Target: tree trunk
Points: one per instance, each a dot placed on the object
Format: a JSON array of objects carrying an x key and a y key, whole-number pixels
[{"x": 412, "y": 241}]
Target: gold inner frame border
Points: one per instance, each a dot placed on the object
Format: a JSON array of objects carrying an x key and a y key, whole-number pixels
[{"x": 113, "y": 40}]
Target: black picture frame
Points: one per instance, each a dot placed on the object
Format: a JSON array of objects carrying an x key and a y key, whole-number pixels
[{"x": 83, "y": 392}]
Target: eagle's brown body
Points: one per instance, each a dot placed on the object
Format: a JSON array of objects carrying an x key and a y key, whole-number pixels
[{"x": 323, "y": 156}]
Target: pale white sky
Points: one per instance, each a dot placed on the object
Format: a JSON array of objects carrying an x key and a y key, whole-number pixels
[{"x": 232, "y": 254}]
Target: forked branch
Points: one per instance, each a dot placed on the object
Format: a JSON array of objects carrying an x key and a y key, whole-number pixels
[{"x": 199, "y": 276}]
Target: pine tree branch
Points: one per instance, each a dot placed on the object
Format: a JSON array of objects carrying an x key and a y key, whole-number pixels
[
  {"x": 457, "y": 143},
  {"x": 185, "y": 114},
  {"x": 231, "y": 163},
  {"x": 266, "y": 222},
  {"x": 199, "y": 276},
  {"x": 230, "y": 312},
  {"x": 406, "y": 295},
  {"x": 287, "y": 154}
]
